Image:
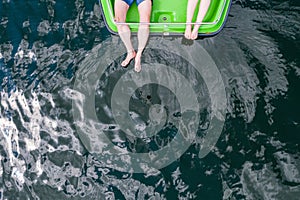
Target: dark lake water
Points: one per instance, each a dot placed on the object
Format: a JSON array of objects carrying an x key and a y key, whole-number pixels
[{"x": 50, "y": 50}]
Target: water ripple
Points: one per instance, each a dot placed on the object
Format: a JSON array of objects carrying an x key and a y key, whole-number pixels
[{"x": 41, "y": 156}]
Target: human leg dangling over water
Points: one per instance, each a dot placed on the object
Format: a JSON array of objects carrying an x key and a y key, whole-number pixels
[
  {"x": 203, "y": 7},
  {"x": 121, "y": 8},
  {"x": 143, "y": 32}
]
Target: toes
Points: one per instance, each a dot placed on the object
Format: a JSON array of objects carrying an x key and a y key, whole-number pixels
[
  {"x": 187, "y": 36},
  {"x": 137, "y": 66},
  {"x": 187, "y": 33},
  {"x": 128, "y": 58},
  {"x": 194, "y": 35},
  {"x": 124, "y": 63}
]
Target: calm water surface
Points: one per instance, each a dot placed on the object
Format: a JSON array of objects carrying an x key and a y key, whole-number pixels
[{"x": 43, "y": 43}]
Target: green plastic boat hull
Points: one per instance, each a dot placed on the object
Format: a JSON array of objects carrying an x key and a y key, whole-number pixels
[{"x": 168, "y": 17}]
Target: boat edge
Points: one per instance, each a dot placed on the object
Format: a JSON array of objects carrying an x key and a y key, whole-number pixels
[{"x": 200, "y": 35}]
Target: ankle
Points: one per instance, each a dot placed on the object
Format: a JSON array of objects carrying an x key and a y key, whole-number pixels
[
  {"x": 140, "y": 50},
  {"x": 139, "y": 54},
  {"x": 130, "y": 52}
]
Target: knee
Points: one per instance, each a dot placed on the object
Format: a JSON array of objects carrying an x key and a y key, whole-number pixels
[
  {"x": 119, "y": 19},
  {"x": 145, "y": 18}
]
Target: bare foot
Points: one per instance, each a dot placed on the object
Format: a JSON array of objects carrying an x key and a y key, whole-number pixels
[
  {"x": 194, "y": 33},
  {"x": 129, "y": 57},
  {"x": 187, "y": 33},
  {"x": 137, "y": 65}
]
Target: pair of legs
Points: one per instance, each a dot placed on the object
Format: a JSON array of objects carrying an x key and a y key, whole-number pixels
[
  {"x": 121, "y": 8},
  {"x": 203, "y": 7}
]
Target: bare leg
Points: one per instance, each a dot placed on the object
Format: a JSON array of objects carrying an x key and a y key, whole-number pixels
[
  {"x": 121, "y": 9},
  {"x": 203, "y": 7},
  {"x": 189, "y": 16},
  {"x": 143, "y": 32}
]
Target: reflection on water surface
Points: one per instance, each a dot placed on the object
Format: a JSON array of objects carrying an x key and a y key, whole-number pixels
[{"x": 42, "y": 44}]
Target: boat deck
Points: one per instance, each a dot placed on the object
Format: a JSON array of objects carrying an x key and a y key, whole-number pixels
[{"x": 168, "y": 17}]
